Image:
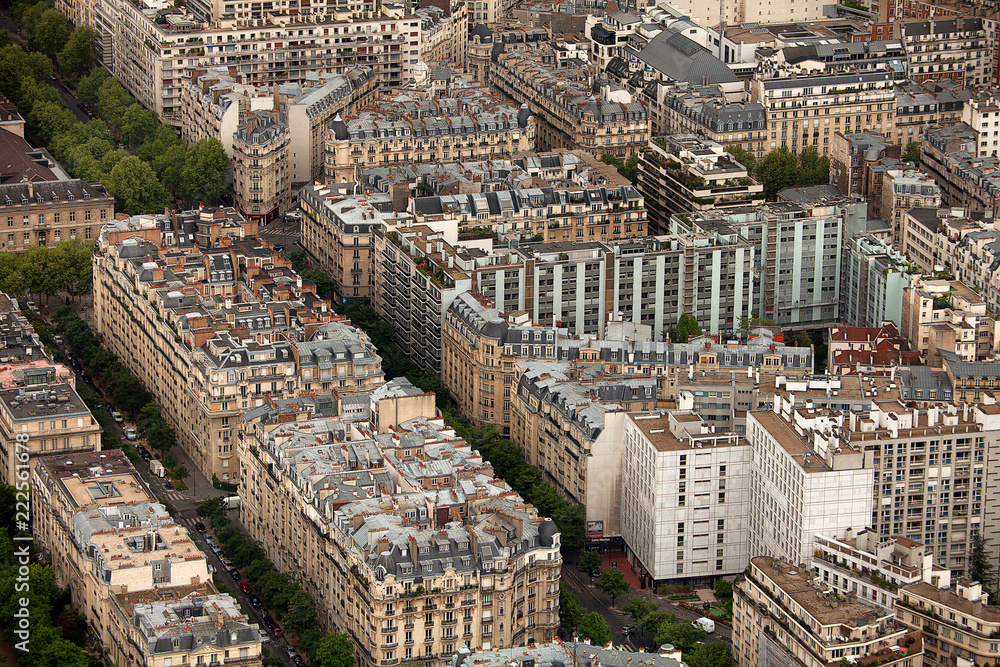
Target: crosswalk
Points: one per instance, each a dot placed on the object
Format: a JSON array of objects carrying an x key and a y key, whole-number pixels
[
  {"x": 174, "y": 495},
  {"x": 187, "y": 521}
]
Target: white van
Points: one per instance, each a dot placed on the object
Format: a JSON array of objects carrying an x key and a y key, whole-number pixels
[{"x": 705, "y": 624}]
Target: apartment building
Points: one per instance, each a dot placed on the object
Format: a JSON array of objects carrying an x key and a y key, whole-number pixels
[
  {"x": 806, "y": 111},
  {"x": 570, "y": 115},
  {"x": 600, "y": 213},
  {"x": 417, "y": 275},
  {"x": 567, "y": 653},
  {"x": 682, "y": 172},
  {"x": 685, "y": 498},
  {"x": 868, "y": 350},
  {"x": 851, "y": 153},
  {"x": 43, "y": 213},
  {"x": 783, "y": 617},
  {"x": 507, "y": 34},
  {"x": 869, "y": 565},
  {"x": 444, "y": 33},
  {"x": 875, "y": 276},
  {"x": 943, "y": 315},
  {"x": 707, "y": 111},
  {"x": 186, "y": 625},
  {"x": 982, "y": 114},
  {"x": 106, "y": 535},
  {"x": 452, "y": 557},
  {"x": 902, "y": 191},
  {"x": 337, "y": 232},
  {"x": 608, "y": 35},
  {"x": 931, "y": 238},
  {"x": 149, "y": 56},
  {"x": 959, "y": 626},
  {"x": 954, "y": 48},
  {"x": 798, "y": 245},
  {"x": 949, "y": 156},
  {"x": 438, "y": 121},
  {"x": 483, "y": 348},
  {"x": 918, "y": 105},
  {"x": 171, "y": 314},
  {"x": 213, "y": 101},
  {"x": 804, "y": 481},
  {"x": 929, "y": 467},
  {"x": 261, "y": 169}
]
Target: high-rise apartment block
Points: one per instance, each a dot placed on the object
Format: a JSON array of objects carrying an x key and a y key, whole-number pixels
[
  {"x": 685, "y": 497},
  {"x": 875, "y": 276}
]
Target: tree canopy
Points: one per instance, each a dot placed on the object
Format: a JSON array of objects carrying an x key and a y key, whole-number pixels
[
  {"x": 686, "y": 329},
  {"x": 612, "y": 583},
  {"x": 595, "y": 628},
  {"x": 911, "y": 153}
]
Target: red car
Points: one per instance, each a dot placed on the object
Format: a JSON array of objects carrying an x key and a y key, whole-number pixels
[{"x": 245, "y": 587}]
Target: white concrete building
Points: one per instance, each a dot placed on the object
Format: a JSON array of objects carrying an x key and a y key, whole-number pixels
[
  {"x": 804, "y": 481},
  {"x": 982, "y": 114},
  {"x": 870, "y": 565},
  {"x": 685, "y": 498}
]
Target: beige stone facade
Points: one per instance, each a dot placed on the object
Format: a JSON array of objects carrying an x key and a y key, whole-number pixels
[
  {"x": 408, "y": 580},
  {"x": 106, "y": 536},
  {"x": 261, "y": 170},
  {"x": 213, "y": 332},
  {"x": 546, "y": 77},
  {"x": 45, "y": 213}
]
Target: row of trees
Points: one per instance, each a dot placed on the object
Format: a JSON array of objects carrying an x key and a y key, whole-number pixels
[
  {"x": 57, "y": 631},
  {"x": 782, "y": 168},
  {"x": 650, "y": 617},
  {"x": 280, "y": 593},
  {"x": 73, "y": 49},
  {"x": 48, "y": 271}
]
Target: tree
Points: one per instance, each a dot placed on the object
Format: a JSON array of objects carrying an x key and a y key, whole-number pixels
[
  {"x": 206, "y": 168},
  {"x": 744, "y": 157},
  {"x": 48, "y": 119},
  {"x": 90, "y": 86},
  {"x": 654, "y": 620},
  {"x": 911, "y": 153},
  {"x": 52, "y": 32},
  {"x": 80, "y": 52},
  {"x": 135, "y": 187},
  {"x": 713, "y": 654},
  {"x": 814, "y": 169},
  {"x": 63, "y": 653},
  {"x": 723, "y": 588},
  {"x": 980, "y": 562},
  {"x": 687, "y": 328},
  {"x": 590, "y": 562},
  {"x": 570, "y": 611},
  {"x": 744, "y": 325},
  {"x": 639, "y": 608},
  {"x": 113, "y": 101},
  {"x": 612, "y": 583},
  {"x": 778, "y": 170},
  {"x": 680, "y": 634},
  {"x": 139, "y": 125},
  {"x": 334, "y": 650},
  {"x": 595, "y": 628}
]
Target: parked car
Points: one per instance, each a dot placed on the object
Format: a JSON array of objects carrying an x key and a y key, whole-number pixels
[
  {"x": 117, "y": 416},
  {"x": 235, "y": 574},
  {"x": 264, "y": 637},
  {"x": 255, "y": 601},
  {"x": 200, "y": 527},
  {"x": 143, "y": 453},
  {"x": 245, "y": 587},
  {"x": 705, "y": 624},
  {"x": 292, "y": 653},
  {"x": 130, "y": 434},
  {"x": 628, "y": 629},
  {"x": 276, "y": 630}
]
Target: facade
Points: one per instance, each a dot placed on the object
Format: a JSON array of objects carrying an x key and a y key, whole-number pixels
[
  {"x": 206, "y": 355},
  {"x": 213, "y": 102},
  {"x": 940, "y": 102},
  {"x": 949, "y": 156},
  {"x": 903, "y": 190},
  {"x": 871, "y": 566},
  {"x": 150, "y": 56},
  {"x": 417, "y": 275},
  {"x": 337, "y": 231},
  {"x": 782, "y": 617},
  {"x": 851, "y": 153},
  {"x": 106, "y": 536},
  {"x": 953, "y": 48},
  {"x": 705, "y": 111},
  {"x": 471, "y": 542},
  {"x": 875, "y": 276},
  {"x": 957, "y": 621},
  {"x": 682, "y": 173},
  {"x": 807, "y": 111},
  {"x": 316, "y": 106},
  {"x": 569, "y": 114},
  {"x": 451, "y": 121},
  {"x": 982, "y": 114},
  {"x": 942, "y": 315},
  {"x": 45, "y": 213},
  {"x": 803, "y": 480},
  {"x": 261, "y": 185},
  {"x": 685, "y": 498}
]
